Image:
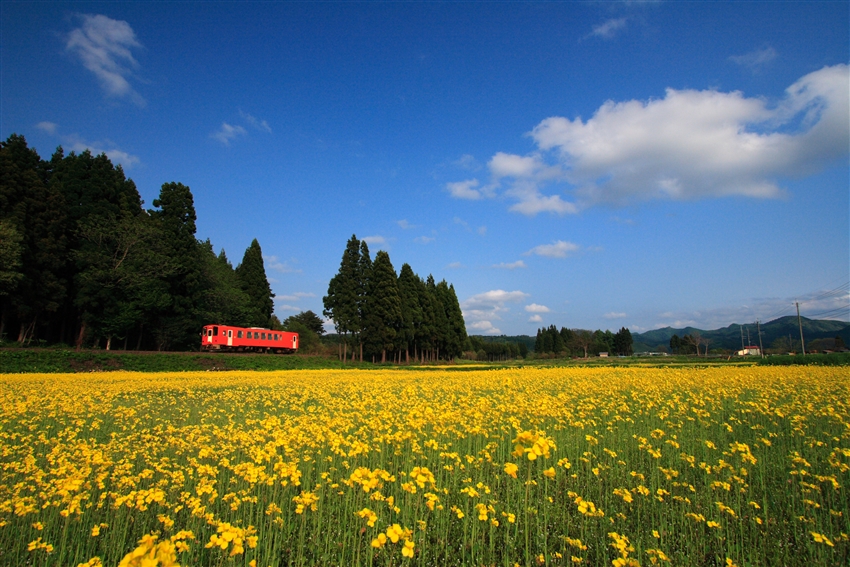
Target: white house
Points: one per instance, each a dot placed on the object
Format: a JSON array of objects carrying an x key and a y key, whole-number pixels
[{"x": 747, "y": 350}]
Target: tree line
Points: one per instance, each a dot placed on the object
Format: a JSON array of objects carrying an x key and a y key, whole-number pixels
[
  {"x": 384, "y": 316},
  {"x": 581, "y": 342},
  {"x": 83, "y": 262}
]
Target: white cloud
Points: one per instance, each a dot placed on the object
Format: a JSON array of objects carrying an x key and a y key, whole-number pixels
[
  {"x": 228, "y": 132},
  {"x": 455, "y": 265},
  {"x": 375, "y": 239},
  {"x": 830, "y": 304},
  {"x": 482, "y": 230},
  {"x": 464, "y": 190},
  {"x": 512, "y": 165},
  {"x": 536, "y": 308},
  {"x": 687, "y": 145},
  {"x": 614, "y": 315},
  {"x": 558, "y": 249},
  {"x": 479, "y": 311},
  {"x": 424, "y": 239},
  {"x": 535, "y": 319},
  {"x": 755, "y": 58},
  {"x": 104, "y": 45},
  {"x": 76, "y": 144},
  {"x": 258, "y": 124},
  {"x": 274, "y": 263},
  {"x": 510, "y": 265},
  {"x": 484, "y": 328},
  {"x": 609, "y": 28},
  {"x": 297, "y": 296},
  {"x": 404, "y": 224},
  {"x": 468, "y": 162},
  {"x": 49, "y": 127}
]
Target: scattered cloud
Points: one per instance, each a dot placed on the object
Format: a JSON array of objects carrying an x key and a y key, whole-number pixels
[
  {"x": 375, "y": 239},
  {"x": 297, "y": 296},
  {"x": 510, "y": 265},
  {"x": 77, "y": 144},
  {"x": 609, "y": 29},
  {"x": 756, "y": 58},
  {"x": 405, "y": 225},
  {"x": 258, "y": 124},
  {"x": 535, "y": 319},
  {"x": 535, "y": 308},
  {"x": 424, "y": 239},
  {"x": 484, "y": 328},
  {"x": 274, "y": 263},
  {"x": 104, "y": 47},
  {"x": 228, "y": 132},
  {"x": 465, "y": 190},
  {"x": 479, "y": 311},
  {"x": 49, "y": 127},
  {"x": 687, "y": 145},
  {"x": 455, "y": 265},
  {"x": 482, "y": 230},
  {"x": 834, "y": 305},
  {"x": 558, "y": 249},
  {"x": 614, "y": 315},
  {"x": 468, "y": 162}
]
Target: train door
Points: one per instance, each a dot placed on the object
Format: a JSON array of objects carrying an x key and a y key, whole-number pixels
[
  {"x": 294, "y": 342},
  {"x": 230, "y": 337}
]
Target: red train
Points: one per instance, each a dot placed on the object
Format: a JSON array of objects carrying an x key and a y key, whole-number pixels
[{"x": 253, "y": 339}]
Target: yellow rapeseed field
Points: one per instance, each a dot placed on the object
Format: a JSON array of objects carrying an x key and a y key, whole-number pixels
[{"x": 525, "y": 466}]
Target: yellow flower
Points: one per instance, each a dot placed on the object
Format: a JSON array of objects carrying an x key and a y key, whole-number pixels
[
  {"x": 511, "y": 469},
  {"x": 407, "y": 550},
  {"x": 549, "y": 473}
]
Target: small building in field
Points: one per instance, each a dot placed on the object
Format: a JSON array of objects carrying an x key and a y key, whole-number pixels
[
  {"x": 603, "y": 355},
  {"x": 749, "y": 350}
]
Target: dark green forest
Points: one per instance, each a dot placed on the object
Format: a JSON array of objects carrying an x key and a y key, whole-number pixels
[
  {"x": 382, "y": 316},
  {"x": 581, "y": 342},
  {"x": 83, "y": 263}
]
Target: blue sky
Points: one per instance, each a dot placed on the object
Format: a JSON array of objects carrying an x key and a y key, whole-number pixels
[{"x": 582, "y": 164}]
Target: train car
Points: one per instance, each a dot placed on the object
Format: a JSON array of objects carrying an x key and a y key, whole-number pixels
[{"x": 223, "y": 338}]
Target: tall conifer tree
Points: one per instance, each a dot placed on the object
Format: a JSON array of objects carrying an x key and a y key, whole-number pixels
[{"x": 252, "y": 276}]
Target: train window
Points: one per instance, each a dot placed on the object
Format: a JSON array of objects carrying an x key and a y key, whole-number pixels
[
  {"x": 209, "y": 332},
  {"x": 215, "y": 331},
  {"x": 249, "y": 334},
  {"x": 275, "y": 336},
  {"x": 229, "y": 334},
  {"x": 238, "y": 334},
  {"x": 264, "y": 336}
]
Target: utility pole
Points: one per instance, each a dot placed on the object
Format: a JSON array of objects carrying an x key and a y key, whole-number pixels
[
  {"x": 800, "y": 323},
  {"x": 742, "y": 338},
  {"x": 761, "y": 348}
]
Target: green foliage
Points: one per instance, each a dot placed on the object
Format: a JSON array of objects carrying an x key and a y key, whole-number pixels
[
  {"x": 832, "y": 359},
  {"x": 309, "y": 320},
  {"x": 63, "y": 360},
  {"x": 81, "y": 261},
  {"x": 252, "y": 277},
  {"x": 387, "y": 313}
]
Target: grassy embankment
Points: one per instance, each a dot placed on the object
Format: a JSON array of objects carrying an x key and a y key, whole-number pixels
[{"x": 51, "y": 360}]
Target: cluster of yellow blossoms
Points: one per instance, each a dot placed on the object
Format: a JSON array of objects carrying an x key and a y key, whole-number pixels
[{"x": 435, "y": 466}]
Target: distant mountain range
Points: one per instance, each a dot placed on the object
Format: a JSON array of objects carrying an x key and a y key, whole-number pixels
[
  {"x": 730, "y": 337},
  {"x": 727, "y": 337}
]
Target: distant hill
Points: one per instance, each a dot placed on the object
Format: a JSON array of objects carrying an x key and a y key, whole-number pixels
[
  {"x": 725, "y": 338},
  {"x": 730, "y": 337}
]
